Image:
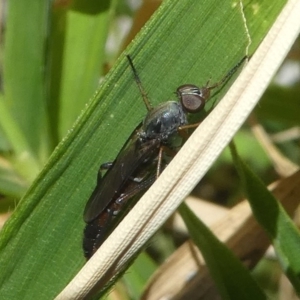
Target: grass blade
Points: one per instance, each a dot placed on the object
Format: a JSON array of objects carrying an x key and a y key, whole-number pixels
[{"x": 272, "y": 216}]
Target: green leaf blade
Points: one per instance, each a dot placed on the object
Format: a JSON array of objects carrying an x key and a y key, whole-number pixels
[
  {"x": 274, "y": 219},
  {"x": 76, "y": 74},
  {"x": 223, "y": 266},
  {"x": 25, "y": 72}
]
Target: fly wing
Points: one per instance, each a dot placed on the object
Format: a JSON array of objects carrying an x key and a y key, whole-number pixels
[{"x": 108, "y": 188}]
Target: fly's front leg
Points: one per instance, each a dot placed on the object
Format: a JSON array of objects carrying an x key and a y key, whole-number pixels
[
  {"x": 182, "y": 130},
  {"x": 188, "y": 126}
]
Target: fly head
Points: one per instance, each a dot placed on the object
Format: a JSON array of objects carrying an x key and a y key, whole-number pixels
[{"x": 193, "y": 98}]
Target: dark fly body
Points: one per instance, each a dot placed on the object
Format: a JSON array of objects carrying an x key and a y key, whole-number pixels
[
  {"x": 141, "y": 160},
  {"x": 128, "y": 175}
]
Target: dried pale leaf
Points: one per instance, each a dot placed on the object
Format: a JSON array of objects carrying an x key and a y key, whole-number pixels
[
  {"x": 282, "y": 164},
  {"x": 239, "y": 230},
  {"x": 208, "y": 212}
]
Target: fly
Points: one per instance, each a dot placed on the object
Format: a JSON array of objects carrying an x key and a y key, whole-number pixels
[{"x": 142, "y": 158}]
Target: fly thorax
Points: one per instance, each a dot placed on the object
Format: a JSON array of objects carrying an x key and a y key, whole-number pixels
[{"x": 163, "y": 120}]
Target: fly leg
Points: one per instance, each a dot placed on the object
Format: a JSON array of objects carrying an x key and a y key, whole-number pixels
[
  {"x": 139, "y": 179},
  {"x": 188, "y": 126},
  {"x": 106, "y": 166},
  {"x": 132, "y": 191},
  {"x": 182, "y": 130},
  {"x": 103, "y": 167},
  {"x": 139, "y": 84},
  {"x": 162, "y": 150}
]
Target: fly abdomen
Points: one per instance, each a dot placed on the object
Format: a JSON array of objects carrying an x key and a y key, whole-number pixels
[
  {"x": 95, "y": 233},
  {"x": 97, "y": 230}
]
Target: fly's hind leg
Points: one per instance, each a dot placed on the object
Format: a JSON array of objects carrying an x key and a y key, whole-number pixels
[
  {"x": 106, "y": 166},
  {"x": 103, "y": 167},
  {"x": 134, "y": 190}
]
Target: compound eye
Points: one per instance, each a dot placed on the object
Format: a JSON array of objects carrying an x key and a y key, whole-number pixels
[
  {"x": 192, "y": 98},
  {"x": 192, "y": 103}
]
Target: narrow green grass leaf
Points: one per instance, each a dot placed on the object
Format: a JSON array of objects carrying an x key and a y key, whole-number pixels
[
  {"x": 4, "y": 145},
  {"x": 25, "y": 162},
  {"x": 185, "y": 42},
  {"x": 232, "y": 279},
  {"x": 273, "y": 105},
  {"x": 273, "y": 218},
  {"x": 10, "y": 183},
  {"x": 24, "y": 73},
  {"x": 75, "y": 74}
]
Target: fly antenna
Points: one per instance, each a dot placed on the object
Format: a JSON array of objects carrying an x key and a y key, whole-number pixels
[
  {"x": 229, "y": 74},
  {"x": 139, "y": 84}
]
